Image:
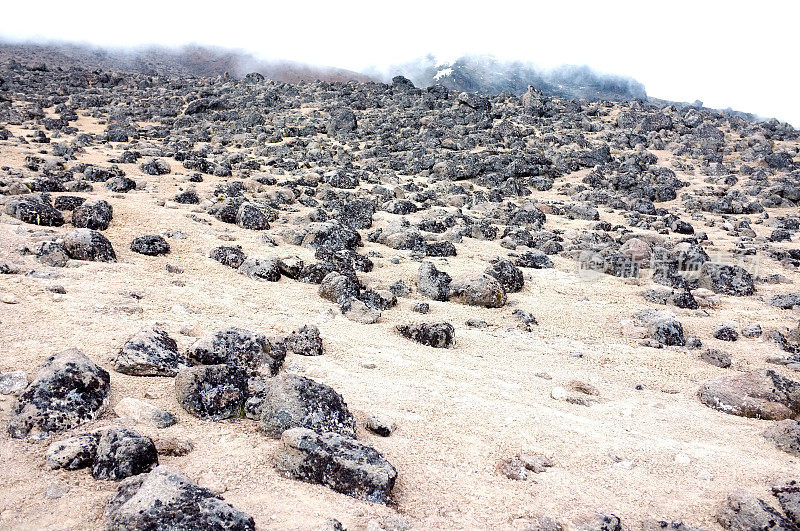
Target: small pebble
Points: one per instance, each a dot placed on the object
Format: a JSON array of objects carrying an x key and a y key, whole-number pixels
[{"x": 379, "y": 425}]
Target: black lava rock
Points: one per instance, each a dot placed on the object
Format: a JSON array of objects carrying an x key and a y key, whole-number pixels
[
  {"x": 150, "y": 245},
  {"x": 438, "y": 335}
]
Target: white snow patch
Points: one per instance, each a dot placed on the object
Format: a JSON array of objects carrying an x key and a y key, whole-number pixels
[{"x": 443, "y": 72}]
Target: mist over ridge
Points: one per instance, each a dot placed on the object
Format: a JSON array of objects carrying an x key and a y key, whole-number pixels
[
  {"x": 480, "y": 73},
  {"x": 487, "y": 74}
]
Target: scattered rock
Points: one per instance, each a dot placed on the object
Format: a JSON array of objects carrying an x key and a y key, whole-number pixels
[
  {"x": 12, "y": 383},
  {"x": 535, "y": 462},
  {"x": 726, "y": 332},
  {"x": 87, "y": 244},
  {"x": 785, "y": 434},
  {"x": 660, "y": 525},
  {"x": 509, "y": 276},
  {"x": 173, "y": 446},
  {"x": 662, "y": 326},
  {"x": 73, "y": 453},
  {"x": 95, "y": 215},
  {"x": 143, "y": 412},
  {"x": 379, "y": 425},
  {"x": 212, "y": 392},
  {"x": 337, "y": 287},
  {"x": 358, "y": 312},
  {"x": 52, "y": 254},
  {"x": 239, "y": 347},
  {"x": 261, "y": 269},
  {"x": 150, "y": 245},
  {"x": 744, "y": 512},
  {"x": 150, "y": 352},
  {"x": 526, "y": 319},
  {"x": 716, "y": 357},
  {"x": 752, "y": 330},
  {"x": 789, "y": 498},
  {"x": 341, "y": 463},
  {"x": 230, "y": 256},
  {"x": 35, "y": 213},
  {"x": 763, "y": 395},
  {"x": 785, "y": 302},
  {"x": 113, "y": 453},
  {"x": 437, "y": 335},
  {"x": 155, "y": 167},
  {"x": 305, "y": 341},
  {"x": 122, "y": 453},
  {"x": 69, "y": 389},
  {"x": 535, "y": 259},
  {"x": 726, "y": 279},
  {"x": 421, "y": 307},
  {"x": 599, "y": 522},
  {"x": 290, "y": 401},
  {"x": 478, "y": 290},
  {"x": 167, "y": 499},
  {"x": 433, "y": 283},
  {"x": 249, "y": 216},
  {"x": 8, "y": 298},
  {"x": 513, "y": 469}
]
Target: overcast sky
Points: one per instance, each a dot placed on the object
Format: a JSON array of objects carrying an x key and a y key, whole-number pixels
[{"x": 742, "y": 54}]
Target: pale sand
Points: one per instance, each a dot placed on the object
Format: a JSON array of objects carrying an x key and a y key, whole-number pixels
[{"x": 458, "y": 411}]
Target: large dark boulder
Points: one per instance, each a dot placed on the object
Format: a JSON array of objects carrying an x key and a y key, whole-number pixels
[
  {"x": 95, "y": 215},
  {"x": 212, "y": 392},
  {"x": 438, "y": 335},
  {"x": 249, "y": 216},
  {"x": 150, "y": 245},
  {"x": 165, "y": 499},
  {"x": 236, "y": 346},
  {"x": 433, "y": 283},
  {"x": 290, "y": 401},
  {"x": 726, "y": 279},
  {"x": 69, "y": 389},
  {"x": 341, "y": 463},
  {"x": 35, "y": 213},
  {"x": 150, "y": 352},
  {"x": 507, "y": 274},
  {"x": 122, "y": 453},
  {"x": 88, "y": 244}
]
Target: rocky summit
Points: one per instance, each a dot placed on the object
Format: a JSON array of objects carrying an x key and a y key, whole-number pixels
[{"x": 473, "y": 302}]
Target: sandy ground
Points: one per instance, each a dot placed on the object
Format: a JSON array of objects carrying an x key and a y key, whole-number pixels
[{"x": 655, "y": 452}]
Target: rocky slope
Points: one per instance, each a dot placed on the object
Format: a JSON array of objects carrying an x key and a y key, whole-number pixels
[
  {"x": 239, "y": 303},
  {"x": 193, "y": 60}
]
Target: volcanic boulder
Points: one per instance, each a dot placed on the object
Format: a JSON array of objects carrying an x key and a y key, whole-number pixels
[
  {"x": 167, "y": 499},
  {"x": 341, "y": 463},
  {"x": 69, "y": 389}
]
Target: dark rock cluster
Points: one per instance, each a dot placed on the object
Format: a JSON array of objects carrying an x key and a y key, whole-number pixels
[{"x": 356, "y": 177}]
